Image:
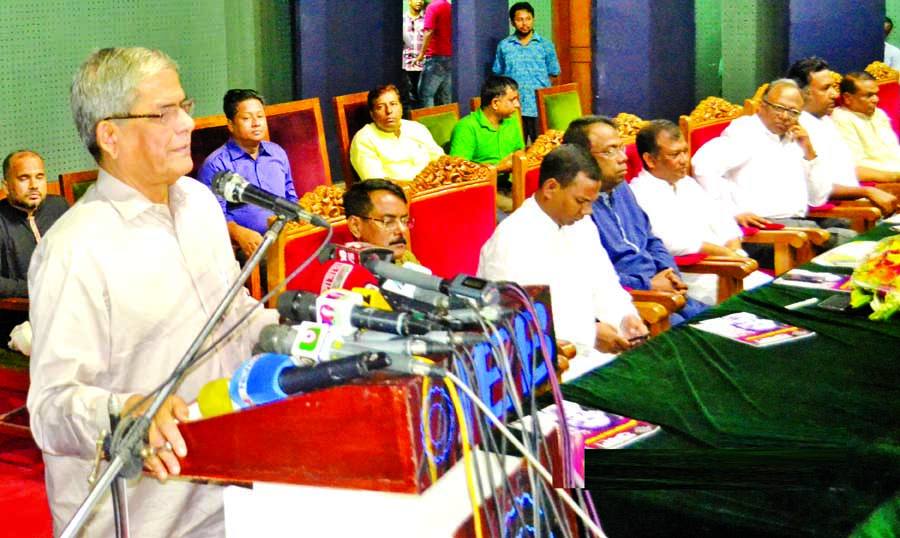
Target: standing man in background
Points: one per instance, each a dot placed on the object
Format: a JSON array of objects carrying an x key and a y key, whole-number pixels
[
  {"x": 413, "y": 36},
  {"x": 529, "y": 59},
  {"x": 436, "y": 53}
]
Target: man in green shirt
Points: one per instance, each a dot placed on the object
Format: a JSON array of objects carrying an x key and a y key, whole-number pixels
[{"x": 492, "y": 133}]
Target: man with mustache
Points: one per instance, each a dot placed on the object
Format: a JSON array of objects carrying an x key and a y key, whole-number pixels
[
  {"x": 377, "y": 213},
  {"x": 264, "y": 164},
  {"x": 25, "y": 215},
  {"x": 762, "y": 169}
]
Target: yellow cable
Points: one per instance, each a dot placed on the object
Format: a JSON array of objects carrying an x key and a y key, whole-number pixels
[
  {"x": 426, "y": 419},
  {"x": 467, "y": 455}
]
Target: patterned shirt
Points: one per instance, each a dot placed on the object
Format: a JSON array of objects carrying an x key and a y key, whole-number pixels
[
  {"x": 530, "y": 65},
  {"x": 413, "y": 35}
]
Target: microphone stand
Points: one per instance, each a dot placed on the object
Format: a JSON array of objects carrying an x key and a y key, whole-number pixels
[{"x": 128, "y": 438}]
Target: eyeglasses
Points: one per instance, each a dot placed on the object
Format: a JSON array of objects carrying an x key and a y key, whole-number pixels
[
  {"x": 166, "y": 116},
  {"x": 394, "y": 222},
  {"x": 610, "y": 153},
  {"x": 784, "y": 111}
]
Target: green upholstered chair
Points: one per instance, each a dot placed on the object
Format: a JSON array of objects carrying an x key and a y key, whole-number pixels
[
  {"x": 74, "y": 184},
  {"x": 558, "y": 106},
  {"x": 439, "y": 120}
]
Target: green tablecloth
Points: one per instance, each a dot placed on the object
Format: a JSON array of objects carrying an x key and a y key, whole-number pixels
[{"x": 838, "y": 388}]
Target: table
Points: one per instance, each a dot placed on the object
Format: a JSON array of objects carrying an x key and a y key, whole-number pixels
[{"x": 838, "y": 388}]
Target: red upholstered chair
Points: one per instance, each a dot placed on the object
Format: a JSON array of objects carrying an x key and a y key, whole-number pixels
[
  {"x": 297, "y": 127},
  {"x": 888, "y": 91},
  {"x": 453, "y": 203},
  {"x": 210, "y": 133},
  {"x": 352, "y": 114}
]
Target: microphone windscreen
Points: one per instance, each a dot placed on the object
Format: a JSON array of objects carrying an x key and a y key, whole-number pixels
[
  {"x": 256, "y": 380},
  {"x": 213, "y": 399}
]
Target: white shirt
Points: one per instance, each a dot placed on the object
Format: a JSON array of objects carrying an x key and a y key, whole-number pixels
[
  {"x": 378, "y": 154},
  {"x": 836, "y": 165},
  {"x": 120, "y": 287},
  {"x": 871, "y": 139},
  {"x": 529, "y": 248},
  {"x": 748, "y": 168},
  {"x": 891, "y": 55},
  {"x": 684, "y": 216}
]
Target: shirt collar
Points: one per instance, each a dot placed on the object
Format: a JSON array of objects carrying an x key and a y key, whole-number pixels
[
  {"x": 237, "y": 152},
  {"x": 128, "y": 201},
  {"x": 542, "y": 219}
]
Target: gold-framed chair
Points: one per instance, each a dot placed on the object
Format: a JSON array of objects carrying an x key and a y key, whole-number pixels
[{"x": 351, "y": 114}]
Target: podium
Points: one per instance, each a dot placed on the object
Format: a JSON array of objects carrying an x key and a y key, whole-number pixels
[{"x": 381, "y": 452}]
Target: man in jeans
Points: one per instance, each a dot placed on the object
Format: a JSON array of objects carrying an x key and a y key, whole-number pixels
[{"x": 437, "y": 49}]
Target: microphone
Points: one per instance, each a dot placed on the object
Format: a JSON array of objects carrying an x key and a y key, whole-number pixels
[
  {"x": 270, "y": 377},
  {"x": 301, "y": 341},
  {"x": 335, "y": 308},
  {"x": 212, "y": 400},
  {"x": 236, "y": 189},
  {"x": 479, "y": 290}
]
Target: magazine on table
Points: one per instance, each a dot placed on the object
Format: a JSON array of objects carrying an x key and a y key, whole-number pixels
[
  {"x": 802, "y": 278},
  {"x": 752, "y": 330}
]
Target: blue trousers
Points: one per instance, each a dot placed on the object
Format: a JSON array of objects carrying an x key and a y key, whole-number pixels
[{"x": 435, "y": 81}]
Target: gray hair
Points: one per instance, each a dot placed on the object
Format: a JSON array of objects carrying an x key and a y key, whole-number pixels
[
  {"x": 778, "y": 83},
  {"x": 106, "y": 85}
]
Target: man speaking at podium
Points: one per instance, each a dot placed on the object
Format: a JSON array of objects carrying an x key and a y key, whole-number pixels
[{"x": 121, "y": 286}]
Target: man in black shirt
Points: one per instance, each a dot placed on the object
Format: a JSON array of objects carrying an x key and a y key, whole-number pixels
[{"x": 25, "y": 215}]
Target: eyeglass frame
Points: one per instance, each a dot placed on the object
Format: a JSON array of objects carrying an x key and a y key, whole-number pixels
[
  {"x": 611, "y": 153},
  {"x": 782, "y": 110},
  {"x": 410, "y": 222},
  {"x": 187, "y": 105}
]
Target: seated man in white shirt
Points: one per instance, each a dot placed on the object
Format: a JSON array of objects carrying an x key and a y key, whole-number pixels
[
  {"x": 819, "y": 95},
  {"x": 867, "y": 130},
  {"x": 548, "y": 241},
  {"x": 681, "y": 213},
  {"x": 391, "y": 147},
  {"x": 761, "y": 168}
]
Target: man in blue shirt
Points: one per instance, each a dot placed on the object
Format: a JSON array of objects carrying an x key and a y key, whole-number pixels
[
  {"x": 529, "y": 59},
  {"x": 640, "y": 258},
  {"x": 262, "y": 163}
]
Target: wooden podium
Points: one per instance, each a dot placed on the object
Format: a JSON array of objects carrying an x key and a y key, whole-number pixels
[{"x": 365, "y": 435}]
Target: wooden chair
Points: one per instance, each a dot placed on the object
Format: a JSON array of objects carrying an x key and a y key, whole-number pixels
[
  {"x": 352, "y": 114},
  {"x": 295, "y": 126},
  {"x": 298, "y": 128},
  {"x": 475, "y": 104},
  {"x": 75, "y": 184},
  {"x": 557, "y": 106},
  {"x": 527, "y": 163},
  {"x": 862, "y": 215},
  {"x": 439, "y": 120},
  {"x": 792, "y": 246},
  {"x": 209, "y": 134}
]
